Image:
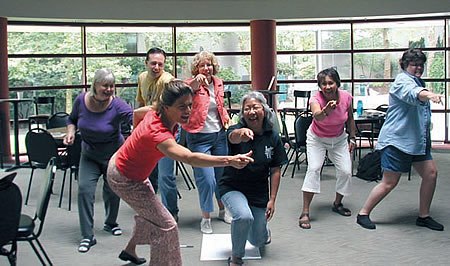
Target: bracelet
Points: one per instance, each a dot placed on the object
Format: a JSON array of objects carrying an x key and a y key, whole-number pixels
[{"x": 353, "y": 141}]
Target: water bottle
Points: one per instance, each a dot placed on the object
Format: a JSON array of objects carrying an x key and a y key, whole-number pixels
[{"x": 359, "y": 108}]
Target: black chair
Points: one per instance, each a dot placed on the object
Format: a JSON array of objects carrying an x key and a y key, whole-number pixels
[
  {"x": 301, "y": 125},
  {"x": 31, "y": 228},
  {"x": 382, "y": 108},
  {"x": 10, "y": 209},
  {"x": 227, "y": 95},
  {"x": 179, "y": 166},
  {"x": 232, "y": 112},
  {"x": 287, "y": 138},
  {"x": 57, "y": 120},
  {"x": 73, "y": 154},
  {"x": 39, "y": 118},
  {"x": 1, "y": 149},
  {"x": 369, "y": 131},
  {"x": 302, "y": 94},
  {"x": 41, "y": 147}
]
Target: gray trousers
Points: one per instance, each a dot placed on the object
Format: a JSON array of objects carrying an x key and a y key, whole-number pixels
[{"x": 90, "y": 171}]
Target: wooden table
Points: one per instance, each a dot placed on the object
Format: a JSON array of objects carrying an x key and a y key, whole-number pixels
[{"x": 15, "y": 102}]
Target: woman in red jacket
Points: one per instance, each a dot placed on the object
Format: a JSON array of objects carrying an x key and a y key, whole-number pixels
[{"x": 206, "y": 132}]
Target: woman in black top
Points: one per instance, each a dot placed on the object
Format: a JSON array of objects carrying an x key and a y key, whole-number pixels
[{"x": 246, "y": 192}]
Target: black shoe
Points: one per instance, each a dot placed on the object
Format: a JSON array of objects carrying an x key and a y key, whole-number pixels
[
  {"x": 365, "y": 222},
  {"x": 430, "y": 223},
  {"x": 125, "y": 256},
  {"x": 86, "y": 244}
]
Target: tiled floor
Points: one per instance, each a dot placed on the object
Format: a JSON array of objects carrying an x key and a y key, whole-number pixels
[{"x": 333, "y": 239}]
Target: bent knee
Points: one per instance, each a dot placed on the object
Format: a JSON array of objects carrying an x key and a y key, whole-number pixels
[{"x": 246, "y": 218}]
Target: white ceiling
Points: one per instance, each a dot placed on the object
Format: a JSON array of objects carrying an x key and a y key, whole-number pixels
[{"x": 214, "y": 10}]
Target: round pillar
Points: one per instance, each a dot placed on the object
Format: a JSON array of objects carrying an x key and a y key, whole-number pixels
[
  {"x": 4, "y": 91},
  {"x": 263, "y": 53}
]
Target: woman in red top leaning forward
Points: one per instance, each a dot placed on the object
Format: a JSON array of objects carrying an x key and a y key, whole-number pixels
[{"x": 129, "y": 168}]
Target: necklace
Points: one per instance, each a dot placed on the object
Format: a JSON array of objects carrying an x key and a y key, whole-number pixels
[{"x": 99, "y": 101}]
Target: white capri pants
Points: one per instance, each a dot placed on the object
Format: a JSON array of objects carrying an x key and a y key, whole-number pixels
[{"x": 338, "y": 153}]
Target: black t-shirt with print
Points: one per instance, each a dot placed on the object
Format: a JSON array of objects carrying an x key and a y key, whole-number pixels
[{"x": 253, "y": 180}]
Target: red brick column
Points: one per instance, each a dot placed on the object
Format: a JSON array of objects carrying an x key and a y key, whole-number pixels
[
  {"x": 4, "y": 90},
  {"x": 263, "y": 53}
]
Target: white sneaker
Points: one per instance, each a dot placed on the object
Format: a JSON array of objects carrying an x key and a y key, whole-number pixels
[
  {"x": 225, "y": 216},
  {"x": 205, "y": 226}
]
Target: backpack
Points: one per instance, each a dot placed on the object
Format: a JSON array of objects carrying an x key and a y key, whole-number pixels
[{"x": 369, "y": 167}]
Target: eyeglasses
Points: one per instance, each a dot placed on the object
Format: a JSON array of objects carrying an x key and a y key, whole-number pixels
[
  {"x": 255, "y": 108},
  {"x": 416, "y": 64}
]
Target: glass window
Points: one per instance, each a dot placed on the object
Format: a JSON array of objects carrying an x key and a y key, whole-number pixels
[
  {"x": 307, "y": 66},
  {"x": 237, "y": 91},
  {"x": 438, "y": 126},
  {"x": 376, "y": 65},
  {"x": 401, "y": 34},
  {"x": 128, "y": 94},
  {"x": 127, "y": 39},
  {"x": 44, "y": 39},
  {"x": 63, "y": 101},
  {"x": 125, "y": 69},
  {"x": 385, "y": 65},
  {"x": 313, "y": 37},
  {"x": 219, "y": 39},
  {"x": 44, "y": 71},
  {"x": 231, "y": 68}
]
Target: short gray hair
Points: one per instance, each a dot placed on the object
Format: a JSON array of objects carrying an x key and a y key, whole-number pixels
[{"x": 102, "y": 75}]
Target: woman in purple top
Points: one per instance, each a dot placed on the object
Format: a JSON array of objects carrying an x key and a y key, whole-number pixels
[
  {"x": 332, "y": 116},
  {"x": 98, "y": 116}
]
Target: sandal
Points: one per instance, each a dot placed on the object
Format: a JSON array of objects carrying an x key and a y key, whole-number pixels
[
  {"x": 341, "y": 210},
  {"x": 86, "y": 244},
  {"x": 304, "y": 221},
  {"x": 237, "y": 262},
  {"x": 114, "y": 229}
]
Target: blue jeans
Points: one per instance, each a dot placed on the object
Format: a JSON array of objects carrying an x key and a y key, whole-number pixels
[
  {"x": 206, "y": 177},
  {"x": 249, "y": 223},
  {"x": 167, "y": 183}
]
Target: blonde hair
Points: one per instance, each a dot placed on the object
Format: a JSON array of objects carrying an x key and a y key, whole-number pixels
[{"x": 202, "y": 56}]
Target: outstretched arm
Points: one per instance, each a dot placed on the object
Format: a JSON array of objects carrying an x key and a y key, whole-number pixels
[
  {"x": 179, "y": 153},
  {"x": 426, "y": 95}
]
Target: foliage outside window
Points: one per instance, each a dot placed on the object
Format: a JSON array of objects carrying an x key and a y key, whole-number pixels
[{"x": 41, "y": 56}]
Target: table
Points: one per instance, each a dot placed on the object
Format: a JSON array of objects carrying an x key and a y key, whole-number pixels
[
  {"x": 368, "y": 119},
  {"x": 58, "y": 132},
  {"x": 270, "y": 93},
  {"x": 15, "y": 102}
]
